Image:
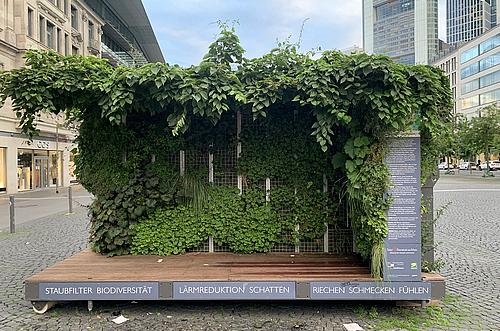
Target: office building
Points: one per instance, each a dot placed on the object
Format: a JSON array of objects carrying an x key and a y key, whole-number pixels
[
  {"x": 117, "y": 30},
  {"x": 468, "y": 19},
  {"x": 474, "y": 73},
  {"x": 405, "y": 30}
]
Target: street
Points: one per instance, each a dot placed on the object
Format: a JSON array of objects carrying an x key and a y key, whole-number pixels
[
  {"x": 467, "y": 236},
  {"x": 33, "y": 205}
]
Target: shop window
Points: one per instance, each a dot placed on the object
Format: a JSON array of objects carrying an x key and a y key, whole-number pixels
[
  {"x": 24, "y": 169},
  {"x": 3, "y": 169},
  {"x": 55, "y": 160},
  {"x": 41, "y": 169}
]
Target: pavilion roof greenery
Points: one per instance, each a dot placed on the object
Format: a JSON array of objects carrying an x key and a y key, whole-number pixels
[{"x": 356, "y": 101}]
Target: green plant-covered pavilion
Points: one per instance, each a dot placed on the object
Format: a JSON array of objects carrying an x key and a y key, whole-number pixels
[{"x": 279, "y": 153}]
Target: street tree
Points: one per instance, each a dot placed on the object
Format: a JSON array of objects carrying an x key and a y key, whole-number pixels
[{"x": 485, "y": 131}]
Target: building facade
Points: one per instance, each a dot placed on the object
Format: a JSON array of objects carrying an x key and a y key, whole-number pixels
[
  {"x": 468, "y": 19},
  {"x": 405, "y": 30},
  {"x": 104, "y": 28},
  {"x": 474, "y": 73}
]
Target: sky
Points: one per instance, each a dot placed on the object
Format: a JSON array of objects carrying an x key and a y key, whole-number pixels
[{"x": 185, "y": 28}]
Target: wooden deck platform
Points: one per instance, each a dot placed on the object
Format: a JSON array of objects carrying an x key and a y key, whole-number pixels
[
  {"x": 88, "y": 276},
  {"x": 89, "y": 266}
]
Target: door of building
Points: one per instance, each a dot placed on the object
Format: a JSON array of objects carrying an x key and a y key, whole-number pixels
[{"x": 41, "y": 174}]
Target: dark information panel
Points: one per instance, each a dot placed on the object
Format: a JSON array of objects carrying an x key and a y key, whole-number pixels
[
  {"x": 98, "y": 291},
  {"x": 370, "y": 291},
  {"x": 233, "y": 290},
  {"x": 402, "y": 245}
]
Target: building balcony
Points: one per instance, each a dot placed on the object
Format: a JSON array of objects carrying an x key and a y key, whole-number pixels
[
  {"x": 76, "y": 34},
  {"x": 94, "y": 47},
  {"x": 116, "y": 58}
]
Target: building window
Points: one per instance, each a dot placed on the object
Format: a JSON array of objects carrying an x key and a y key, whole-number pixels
[
  {"x": 74, "y": 18},
  {"x": 490, "y": 97},
  {"x": 66, "y": 44},
  {"x": 50, "y": 35},
  {"x": 41, "y": 169},
  {"x": 24, "y": 169},
  {"x": 74, "y": 50},
  {"x": 55, "y": 164},
  {"x": 489, "y": 44},
  {"x": 470, "y": 102},
  {"x": 65, "y": 7},
  {"x": 58, "y": 40},
  {"x": 42, "y": 29},
  {"x": 489, "y": 62},
  {"x": 3, "y": 169},
  {"x": 91, "y": 32},
  {"x": 489, "y": 79},
  {"x": 30, "y": 22},
  {"x": 469, "y": 54},
  {"x": 469, "y": 70},
  {"x": 470, "y": 86}
]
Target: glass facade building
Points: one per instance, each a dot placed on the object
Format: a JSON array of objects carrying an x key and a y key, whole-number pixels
[
  {"x": 474, "y": 72},
  {"x": 405, "y": 30},
  {"x": 468, "y": 19}
]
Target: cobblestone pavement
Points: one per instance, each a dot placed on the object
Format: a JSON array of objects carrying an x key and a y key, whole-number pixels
[
  {"x": 468, "y": 241},
  {"x": 468, "y": 233}
]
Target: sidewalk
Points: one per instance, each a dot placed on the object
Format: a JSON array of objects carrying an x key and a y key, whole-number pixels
[{"x": 37, "y": 204}]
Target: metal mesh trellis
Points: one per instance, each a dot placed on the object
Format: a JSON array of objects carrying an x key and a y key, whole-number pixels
[
  {"x": 225, "y": 168},
  {"x": 204, "y": 247}
]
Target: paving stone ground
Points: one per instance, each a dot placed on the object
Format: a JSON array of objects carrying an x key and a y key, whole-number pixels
[{"x": 468, "y": 234}]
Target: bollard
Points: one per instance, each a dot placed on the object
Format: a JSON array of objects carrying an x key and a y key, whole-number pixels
[
  {"x": 70, "y": 199},
  {"x": 12, "y": 225}
]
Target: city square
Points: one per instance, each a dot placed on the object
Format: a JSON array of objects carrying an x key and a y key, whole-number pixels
[
  {"x": 238, "y": 166},
  {"x": 465, "y": 237}
]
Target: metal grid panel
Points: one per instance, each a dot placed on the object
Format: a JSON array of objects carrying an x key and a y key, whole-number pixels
[
  {"x": 225, "y": 169},
  {"x": 221, "y": 248},
  {"x": 284, "y": 246},
  {"x": 202, "y": 248},
  {"x": 340, "y": 240},
  {"x": 174, "y": 159},
  {"x": 197, "y": 161},
  {"x": 311, "y": 245}
]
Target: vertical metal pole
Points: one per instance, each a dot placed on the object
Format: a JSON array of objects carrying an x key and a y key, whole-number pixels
[
  {"x": 428, "y": 218},
  {"x": 12, "y": 223},
  {"x": 70, "y": 199},
  {"x": 182, "y": 162},
  {"x": 57, "y": 157},
  {"x": 297, "y": 228},
  {"x": 211, "y": 248},
  {"x": 238, "y": 148},
  {"x": 210, "y": 167},
  {"x": 268, "y": 189}
]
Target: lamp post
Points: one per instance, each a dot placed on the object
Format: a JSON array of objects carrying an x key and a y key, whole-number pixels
[{"x": 57, "y": 157}]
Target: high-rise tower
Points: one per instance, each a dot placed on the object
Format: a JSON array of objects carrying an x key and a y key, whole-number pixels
[{"x": 406, "y": 30}]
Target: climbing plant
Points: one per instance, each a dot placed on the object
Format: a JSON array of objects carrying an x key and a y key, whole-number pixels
[{"x": 330, "y": 116}]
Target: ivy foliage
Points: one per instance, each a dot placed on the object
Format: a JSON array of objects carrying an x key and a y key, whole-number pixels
[{"x": 349, "y": 105}]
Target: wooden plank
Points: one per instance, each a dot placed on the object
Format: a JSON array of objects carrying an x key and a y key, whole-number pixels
[{"x": 89, "y": 266}]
